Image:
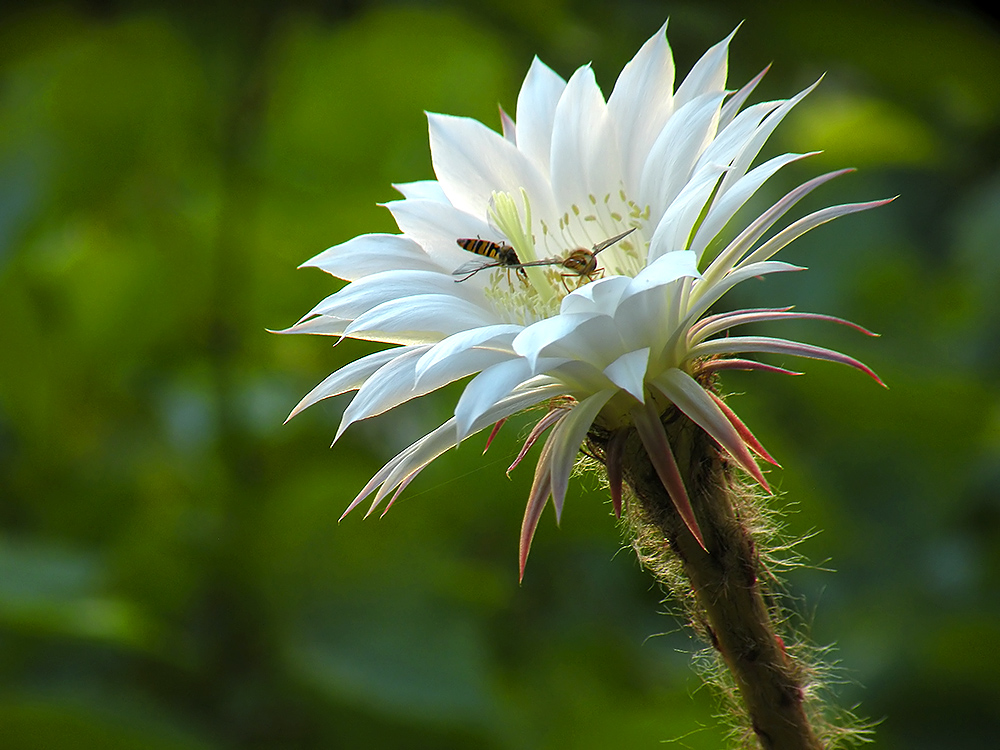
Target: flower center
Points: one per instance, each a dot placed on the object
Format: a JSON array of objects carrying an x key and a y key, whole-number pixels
[
  {"x": 568, "y": 253},
  {"x": 588, "y": 227}
]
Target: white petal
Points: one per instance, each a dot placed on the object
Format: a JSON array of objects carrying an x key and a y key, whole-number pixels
[
  {"x": 368, "y": 254},
  {"x": 529, "y": 393},
  {"x": 453, "y": 368},
  {"x": 497, "y": 336},
  {"x": 641, "y": 104},
  {"x": 436, "y": 227},
  {"x": 736, "y": 101},
  {"x": 395, "y": 383},
  {"x": 649, "y": 298},
  {"x": 663, "y": 270},
  {"x": 708, "y": 74},
  {"x": 755, "y": 143},
  {"x": 565, "y": 443},
  {"x": 725, "y": 206},
  {"x": 584, "y": 159},
  {"x": 390, "y": 385},
  {"x": 471, "y": 161},
  {"x": 676, "y": 150},
  {"x": 628, "y": 372},
  {"x": 428, "y": 190},
  {"x": 414, "y": 458},
  {"x": 420, "y": 318},
  {"x": 593, "y": 339},
  {"x": 600, "y": 296},
  {"x": 361, "y": 296},
  {"x": 597, "y": 343},
  {"x": 351, "y": 376},
  {"x": 580, "y": 378},
  {"x": 536, "y": 109},
  {"x": 410, "y": 461},
  {"x": 730, "y": 142},
  {"x": 487, "y": 389},
  {"x": 322, "y": 325},
  {"x": 530, "y": 342},
  {"x": 656, "y": 304},
  {"x": 674, "y": 230}
]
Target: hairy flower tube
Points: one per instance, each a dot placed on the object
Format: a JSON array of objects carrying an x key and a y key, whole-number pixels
[{"x": 598, "y": 229}]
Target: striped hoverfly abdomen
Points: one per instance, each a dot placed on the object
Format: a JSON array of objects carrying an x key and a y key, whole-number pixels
[{"x": 500, "y": 254}]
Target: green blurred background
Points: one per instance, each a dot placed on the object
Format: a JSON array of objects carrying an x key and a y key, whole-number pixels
[{"x": 172, "y": 573}]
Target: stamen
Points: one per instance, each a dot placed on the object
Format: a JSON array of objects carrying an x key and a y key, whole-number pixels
[
  {"x": 586, "y": 227},
  {"x": 505, "y": 214}
]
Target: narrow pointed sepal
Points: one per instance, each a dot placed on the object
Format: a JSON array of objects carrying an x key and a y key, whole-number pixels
[
  {"x": 565, "y": 443},
  {"x": 693, "y": 400},
  {"x": 613, "y": 465},
  {"x": 395, "y": 495},
  {"x": 536, "y": 432},
  {"x": 508, "y": 128},
  {"x": 715, "y": 365},
  {"x": 493, "y": 434},
  {"x": 654, "y": 439},
  {"x": 744, "y": 432},
  {"x": 767, "y": 344},
  {"x": 541, "y": 489}
]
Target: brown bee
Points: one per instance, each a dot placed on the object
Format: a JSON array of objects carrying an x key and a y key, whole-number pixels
[{"x": 501, "y": 255}]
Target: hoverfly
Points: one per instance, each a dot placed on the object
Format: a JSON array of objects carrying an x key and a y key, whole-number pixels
[
  {"x": 581, "y": 262},
  {"x": 501, "y": 255}
]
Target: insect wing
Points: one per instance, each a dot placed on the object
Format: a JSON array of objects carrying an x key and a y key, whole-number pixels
[
  {"x": 473, "y": 266},
  {"x": 608, "y": 243},
  {"x": 543, "y": 262}
]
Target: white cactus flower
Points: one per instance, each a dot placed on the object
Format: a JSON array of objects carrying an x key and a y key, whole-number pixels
[{"x": 592, "y": 284}]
